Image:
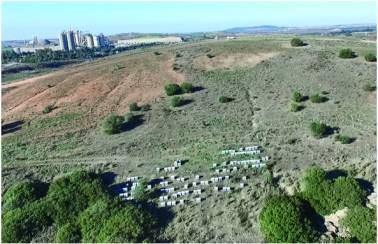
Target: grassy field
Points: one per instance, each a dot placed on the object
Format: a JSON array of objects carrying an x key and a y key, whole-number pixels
[{"x": 260, "y": 75}]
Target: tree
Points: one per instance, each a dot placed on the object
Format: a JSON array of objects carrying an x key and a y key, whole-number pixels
[
  {"x": 361, "y": 223},
  {"x": 68, "y": 233},
  {"x": 21, "y": 224},
  {"x": 297, "y": 97},
  {"x": 112, "y": 124},
  {"x": 347, "y": 53},
  {"x": 172, "y": 89},
  {"x": 286, "y": 219},
  {"x": 318, "y": 129},
  {"x": 177, "y": 101},
  {"x": 370, "y": 57},
  {"x": 296, "y": 42},
  {"x": 317, "y": 99},
  {"x": 22, "y": 193},
  {"x": 224, "y": 99},
  {"x": 186, "y": 87},
  {"x": 343, "y": 139},
  {"x": 129, "y": 224},
  {"x": 295, "y": 107},
  {"x": 140, "y": 193}
]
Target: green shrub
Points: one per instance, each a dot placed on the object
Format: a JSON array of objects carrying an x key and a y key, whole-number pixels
[
  {"x": 224, "y": 99},
  {"x": 172, "y": 89},
  {"x": 186, "y": 87},
  {"x": 20, "y": 194},
  {"x": 129, "y": 224},
  {"x": 295, "y": 107},
  {"x": 370, "y": 57},
  {"x": 318, "y": 130},
  {"x": 346, "y": 53},
  {"x": 48, "y": 109},
  {"x": 129, "y": 117},
  {"x": 327, "y": 196},
  {"x": 134, "y": 106},
  {"x": 112, "y": 124},
  {"x": 286, "y": 219},
  {"x": 296, "y": 42},
  {"x": 369, "y": 88},
  {"x": 344, "y": 139},
  {"x": 68, "y": 233},
  {"x": 176, "y": 101},
  {"x": 297, "y": 97},
  {"x": 317, "y": 99},
  {"x": 93, "y": 218},
  {"x": 157, "y": 53},
  {"x": 21, "y": 224},
  {"x": 70, "y": 195},
  {"x": 361, "y": 223},
  {"x": 210, "y": 55}
]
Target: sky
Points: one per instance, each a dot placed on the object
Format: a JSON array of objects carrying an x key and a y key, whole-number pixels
[{"x": 24, "y": 20}]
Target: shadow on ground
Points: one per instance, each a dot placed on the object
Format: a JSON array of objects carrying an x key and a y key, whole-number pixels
[{"x": 11, "y": 127}]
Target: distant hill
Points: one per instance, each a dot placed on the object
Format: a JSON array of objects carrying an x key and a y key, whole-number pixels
[{"x": 271, "y": 29}]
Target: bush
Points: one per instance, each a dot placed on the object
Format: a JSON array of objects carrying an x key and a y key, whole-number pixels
[
  {"x": 327, "y": 196},
  {"x": 140, "y": 193},
  {"x": 129, "y": 224},
  {"x": 172, "y": 89},
  {"x": 69, "y": 233},
  {"x": 20, "y": 194},
  {"x": 177, "y": 101},
  {"x": 318, "y": 130},
  {"x": 224, "y": 99},
  {"x": 347, "y": 53},
  {"x": 344, "y": 139},
  {"x": 21, "y": 224},
  {"x": 70, "y": 195},
  {"x": 210, "y": 55},
  {"x": 370, "y": 57},
  {"x": 317, "y": 99},
  {"x": 369, "y": 88},
  {"x": 94, "y": 217},
  {"x": 286, "y": 219},
  {"x": 129, "y": 117},
  {"x": 295, "y": 107},
  {"x": 186, "y": 87},
  {"x": 296, "y": 42},
  {"x": 112, "y": 124},
  {"x": 134, "y": 106},
  {"x": 48, "y": 109},
  {"x": 361, "y": 223},
  {"x": 297, "y": 97}
]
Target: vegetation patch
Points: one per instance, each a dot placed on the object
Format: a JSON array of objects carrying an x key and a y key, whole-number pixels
[
  {"x": 177, "y": 101},
  {"x": 343, "y": 139},
  {"x": 361, "y": 223},
  {"x": 224, "y": 99},
  {"x": 318, "y": 99},
  {"x": 369, "y": 87},
  {"x": 112, "y": 124},
  {"x": 297, "y": 97},
  {"x": 370, "y": 57},
  {"x": 134, "y": 107},
  {"x": 48, "y": 109},
  {"x": 186, "y": 87},
  {"x": 297, "y": 42},
  {"x": 347, "y": 53},
  {"x": 295, "y": 107},
  {"x": 319, "y": 130},
  {"x": 172, "y": 89}
]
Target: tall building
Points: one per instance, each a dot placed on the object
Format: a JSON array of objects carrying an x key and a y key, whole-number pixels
[
  {"x": 63, "y": 42},
  {"x": 78, "y": 41},
  {"x": 99, "y": 40},
  {"x": 70, "y": 40},
  {"x": 89, "y": 39}
]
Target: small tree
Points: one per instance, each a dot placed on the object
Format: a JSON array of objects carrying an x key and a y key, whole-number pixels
[
  {"x": 140, "y": 193},
  {"x": 361, "y": 223},
  {"x": 317, "y": 99},
  {"x": 172, "y": 89},
  {"x": 48, "y": 109},
  {"x": 186, "y": 87},
  {"x": 134, "y": 106},
  {"x": 296, "y": 42},
  {"x": 369, "y": 87},
  {"x": 297, "y": 97},
  {"x": 177, "y": 101},
  {"x": 112, "y": 124},
  {"x": 370, "y": 57},
  {"x": 224, "y": 99},
  {"x": 347, "y": 53},
  {"x": 286, "y": 219},
  {"x": 318, "y": 130},
  {"x": 343, "y": 139}
]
